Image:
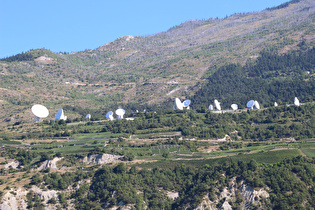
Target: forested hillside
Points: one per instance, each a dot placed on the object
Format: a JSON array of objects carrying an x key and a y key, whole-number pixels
[
  {"x": 165, "y": 160},
  {"x": 268, "y": 79}
]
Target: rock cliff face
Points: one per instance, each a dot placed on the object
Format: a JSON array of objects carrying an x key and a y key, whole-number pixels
[
  {"x": 16, "y": 199},
  {"x": 49, "y": 164},
  {"x": 248, "y": 194},
  {"x": 206, "y": 203},
  {"x": 14, "y": 164},
  {"x": 101, "y": 159}
]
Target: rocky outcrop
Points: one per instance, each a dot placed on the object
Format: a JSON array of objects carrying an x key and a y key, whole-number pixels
[
  {"x": 14, "y": 164},
  {"x": 16, "y": 199},
  {"x": 226, "y": 206},
  {"x": 44, "y": 59},
  {"x": 248, "y": 194},
  {"x": 49, "y": 164},
  {"x": 172, "y": 195},
  {"x": 101, "y": 159},
  {"x": 45, "y": 195},
  {"x": 206, "y": 204}
]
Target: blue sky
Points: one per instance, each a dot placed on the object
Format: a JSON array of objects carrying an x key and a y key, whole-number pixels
[{"x": 70, "y": 26}]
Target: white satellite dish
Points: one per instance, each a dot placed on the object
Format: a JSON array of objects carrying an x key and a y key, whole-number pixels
[
  {"x": 234, "y": 107},
  {"x": 39, "y": 111},
  {"x": 296, "y": 101},
  {"x": 120, "y": 113},
  {"x": 109, "y": 115},
  {"x": 276, "y": 104},
  {"x": 88, "y": 117},
  {"x": 60, "y": 115},
  {"x": 217, "y": 105},
  {"x": 211, "y": 107},
  {"x": 256, "y": 104},
  {"x": 186, "y": 103},
  {"x": 250, "y": 104},
  {"x": 178, "y": 104}
]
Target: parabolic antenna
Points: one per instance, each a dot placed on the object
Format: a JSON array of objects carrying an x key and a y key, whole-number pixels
[
  {"x": 250, "y": 104},
  {"x": 257, "y": 106},
  {"x": 88, "y": 117},
  {"x": 109, "y": 115},
  {"x": 39, "y": 111},
  {"x": 178, "y": 104},
  {"x": 276, "y": 104},
  {"x": 186, "y": 103},
  {"x": 60, "y": 115},
  {"x": 234, "y": 107},
  {"x": 211, "y": 107},
  {"x": 120, "y": 113},
  {"x": 296, "y": 101},
  {"x": 217, "y": 105}
]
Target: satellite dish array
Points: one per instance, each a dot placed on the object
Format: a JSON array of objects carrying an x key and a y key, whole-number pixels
[
  {"x": 41, "y": 111},
  {"x": 179, "y": 105},
  {"x": 60, "y": 115},
  {"x": 234, "y": 107},
  {"x": 88, "y": 117},
  {"x": 296, "y": 101},
  {"x": 253, "y": 104},
  {"x": 216, "y": 107},
  {"x": 119, "y": 112}
]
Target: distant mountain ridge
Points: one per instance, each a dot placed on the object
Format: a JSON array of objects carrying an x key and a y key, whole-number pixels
[{"x": 149, "y": 72}]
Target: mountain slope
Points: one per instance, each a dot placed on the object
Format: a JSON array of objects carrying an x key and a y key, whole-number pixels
[{"x": 152, "y": 70}]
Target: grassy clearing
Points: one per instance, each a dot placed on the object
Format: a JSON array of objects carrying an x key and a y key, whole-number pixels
[
  {"x": 3, "y": 142},
  {"x": 71, "y": 149},
  {"x": 309, "y": 152},
  {"x": 155, "y": 135},
  {"x": 105, "y": 135},
  {"x": 269, "y": 157}
]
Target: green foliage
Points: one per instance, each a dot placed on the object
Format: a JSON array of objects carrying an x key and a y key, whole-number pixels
[
  {"x": 36, "y": 179},
  {"x": 284, "y": 5},
  {"x": 23, "y": 156},
  {"x": 27, "y": 56},
  {"x": 165, "y": 154},
  {"x": 34, "y": 201},
  {"x": 114, "y": 185},
  {"x": 63, "y": 181},
  {"x": 268, "y": 79}
]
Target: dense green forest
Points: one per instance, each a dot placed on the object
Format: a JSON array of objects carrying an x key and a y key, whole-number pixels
[
  {"x": 290, "y": 183},
  {"x": 268, "y": 79}
]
